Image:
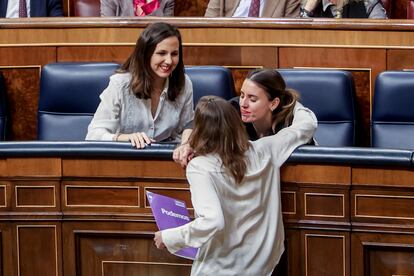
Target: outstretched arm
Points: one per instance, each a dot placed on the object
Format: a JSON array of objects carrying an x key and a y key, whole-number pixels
[
  {"x": 283, "y": 143},
  {"x": 208, "y": 209}
]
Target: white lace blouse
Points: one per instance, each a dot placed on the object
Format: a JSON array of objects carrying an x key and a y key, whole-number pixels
[{"x": 120, "y": 111}]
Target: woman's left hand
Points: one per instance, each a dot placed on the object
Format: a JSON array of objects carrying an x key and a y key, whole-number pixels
[
  {"x": 158, "y": 240},
  {"x": 183, "y": 154}
]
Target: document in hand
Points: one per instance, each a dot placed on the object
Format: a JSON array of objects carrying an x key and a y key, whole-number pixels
[{"x": 170, "y": 213}]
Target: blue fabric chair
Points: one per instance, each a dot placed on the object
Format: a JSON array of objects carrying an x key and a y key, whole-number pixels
[
  {"x": 3, "y": 109},
  {"x": 392, "y": 124},
  {"x": 330, "y": 94},
  {"x": 211, "y": 80},
  {"x": 69, "y": 96}
]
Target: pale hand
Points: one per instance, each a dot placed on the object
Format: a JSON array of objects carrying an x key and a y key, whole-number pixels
[
  {"x": 158, "y": 240},
  {"x": 183, "y": 154},
  {"x": 138, "y": 139}
]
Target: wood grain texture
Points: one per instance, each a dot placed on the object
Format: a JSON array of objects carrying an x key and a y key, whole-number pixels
[
  {"x": 38, "y": 250},
  {"x": 22, "y": 86},
  {"x": 121, "y": 168},
  {"x": 379, "y": 254},
  {"x": 34, "y": 167},
  {"x": 316, "y": 174},
  {"x": 326, "y": 253},
  {"x": 400, "y": 59},
  {"x": 392, "y": 177},
  {"x": 118, "y": 54}
]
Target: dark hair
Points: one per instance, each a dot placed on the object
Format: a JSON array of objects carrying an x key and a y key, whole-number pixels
[
  {"x": 273, "y": 83},
  {"x": 139, "y": 62},
  {"x": 218, "y": 129}
]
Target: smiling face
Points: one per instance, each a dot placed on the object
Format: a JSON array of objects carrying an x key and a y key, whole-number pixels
[
  {"x": 165, "y": 58},
  {"x": 255, "y": 106}
]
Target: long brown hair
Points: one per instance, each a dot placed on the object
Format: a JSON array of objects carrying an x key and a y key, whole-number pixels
[
  {"x": 273, "y": 83},
  {"x": 218, "y": 129},
  {"x": 139, "y": 62}
]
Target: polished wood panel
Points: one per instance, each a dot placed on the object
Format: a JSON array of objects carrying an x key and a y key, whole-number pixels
[
  {"x": 382, "y": 254},
  {"x": 111, "y": 241},
  {"x": 326, "y": 254},
  {"x": 116, "y": 253},
  {"x": 35, "y": 196},
  {"x": 393, "y": 177},
  {"x": 3, "y": 194},
  {"x": 324, "y": 205},
  {"x": 118, "y": 54},
  {"x": 232, "y": 56},
  {"x": 316, "y": 174},
  {"x": 121, "y": 168},
  {"x": 3, "y": 167},
  {"x": 101, "y": 196},
  {"x": 391, "y": 205},
  {"x": 30, "y": 166},
  {"x": 37, "y": 250},
  {"x": 288, "y": 199},
  {"x": 400, "y": 59},
  {"x": 23, "y": 94},
  {"x": 107, "y": 226}
]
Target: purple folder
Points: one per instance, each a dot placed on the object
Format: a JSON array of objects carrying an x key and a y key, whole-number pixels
[{"x": 170, "y": 213}]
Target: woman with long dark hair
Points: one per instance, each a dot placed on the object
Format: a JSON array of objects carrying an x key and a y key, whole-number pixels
[
  {"x": 150, "y": 98},
  {"x": 265, "y": 106},
  {"x": 235, "y": 191}
]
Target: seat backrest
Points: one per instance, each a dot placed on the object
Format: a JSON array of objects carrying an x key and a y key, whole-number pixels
[
  {"x": 3, "y": 109},
  {"x": 410, "y": 9},
  {"x": 87, "y": 8},
  {"x": 392, "y": 124},
  {"x": 211, "y": 80},
  {"x": 387, "y": 4},
  {"x": 330, "y": 95},
  {"x": 69, "y": 96}
]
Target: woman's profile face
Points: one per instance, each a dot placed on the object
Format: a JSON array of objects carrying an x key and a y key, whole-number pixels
[
  {"x": 165, "y": 57},
  {"x": 255, "y": 106}
]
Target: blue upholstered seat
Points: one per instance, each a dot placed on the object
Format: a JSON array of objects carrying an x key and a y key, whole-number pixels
[
  {"x": 211, "y": 80},
  {"x": 392, "y": 124},
  {"x": 330, "y": 94},
  {"x": 69, "y": 96},
  {"x": 3, "y": 109}
]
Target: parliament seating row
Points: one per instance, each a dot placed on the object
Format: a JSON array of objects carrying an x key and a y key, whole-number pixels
[
  {"x": 92, "y": 8},
  {"x": 69, "y": 96}
]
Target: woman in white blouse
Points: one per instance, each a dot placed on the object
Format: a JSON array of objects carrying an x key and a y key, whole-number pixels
[
  {"x": 235, "y": 191},
  {"x": 149, "y": 98}
]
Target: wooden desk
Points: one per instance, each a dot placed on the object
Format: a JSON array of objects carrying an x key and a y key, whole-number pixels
[{"x": 86, "y": 213}]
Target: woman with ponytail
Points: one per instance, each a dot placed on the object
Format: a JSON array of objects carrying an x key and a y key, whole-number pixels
[
  {"x": 235, "y": 191},
  {"x": 265, "y": 105}
]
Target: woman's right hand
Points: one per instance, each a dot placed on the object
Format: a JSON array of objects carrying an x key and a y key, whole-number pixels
[{"x": 138, "y": 139}]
